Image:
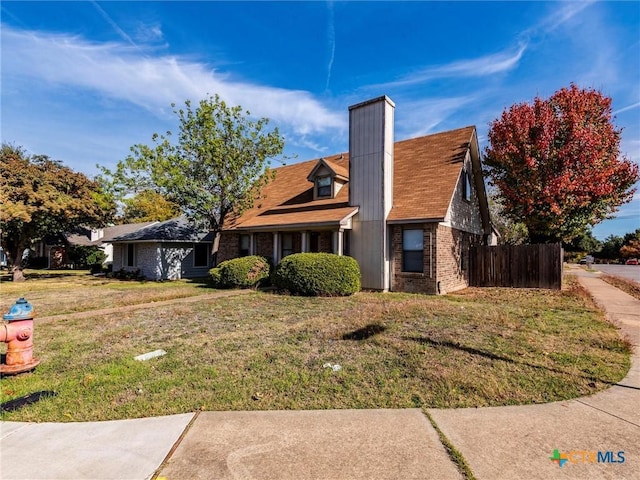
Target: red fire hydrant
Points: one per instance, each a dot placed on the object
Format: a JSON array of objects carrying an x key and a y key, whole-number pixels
[{"x": 18, "y": 335}]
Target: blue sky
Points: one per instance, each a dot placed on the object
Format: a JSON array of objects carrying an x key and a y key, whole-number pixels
[{"x": 83, "y": 81}]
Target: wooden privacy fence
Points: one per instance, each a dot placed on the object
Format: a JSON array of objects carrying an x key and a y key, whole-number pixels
[{"x": 519, "y": 266}]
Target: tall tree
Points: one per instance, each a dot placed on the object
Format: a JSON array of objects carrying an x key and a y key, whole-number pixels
[
  {"x": 148, "y": 206},
  {"x": 556, "y": 163},
  {"x": 611, "y": 248},
  {"x": 216, "y": 168},
  {"x": 631, "y": 245},
  {"x": 41, "y": 197},
  {"x": 511, "y": 232}
]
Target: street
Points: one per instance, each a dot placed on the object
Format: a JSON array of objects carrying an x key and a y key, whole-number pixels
[{"x": 631, "y": 272}]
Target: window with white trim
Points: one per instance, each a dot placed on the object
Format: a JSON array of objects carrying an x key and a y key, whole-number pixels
[
  {"x": 323, "y": 186},
  {"x": 131, "y": 255}
]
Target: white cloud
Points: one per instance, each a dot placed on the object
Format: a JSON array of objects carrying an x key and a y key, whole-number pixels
[
  {"x": 628, "y": 107},
  {"x": 476, "y": 67},
  {"x": 121, "y": 71},
  {"x": 424, "y": 116},
  {"x": 558, "y": 17}
]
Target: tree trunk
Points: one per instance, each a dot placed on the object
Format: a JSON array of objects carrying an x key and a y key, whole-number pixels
[
  {"x": 18, "y": 274},
  {"x": 215, "y": 247}
]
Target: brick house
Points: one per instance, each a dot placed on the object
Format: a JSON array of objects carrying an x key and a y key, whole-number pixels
[
  {"x": 167, "y": 250},
  {"x": 407, "y": 211}
]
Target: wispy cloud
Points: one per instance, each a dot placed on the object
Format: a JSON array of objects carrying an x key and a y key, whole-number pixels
[
  {"x": 628, "y": 107},
  {"x": 558, "y": 17},
  {"x": 114, "y": 25},
  {"x": 331, "y": 34},
  {"x": 423, "y": 117},
  {"x": 120, "y": 71},
  {"x": 476, "y": 67}
]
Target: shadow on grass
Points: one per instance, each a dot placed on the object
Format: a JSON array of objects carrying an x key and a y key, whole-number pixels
[
  {"x": 493, "y": 356},
  {"x": 201, "y": 282},
  {"x": 364, "y": 332},
  {"x": 25, "y": 400}
]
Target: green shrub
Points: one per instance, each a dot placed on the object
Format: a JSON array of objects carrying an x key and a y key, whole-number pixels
[
  {"x": 243, "y": 272},
  {"x": 317, "y": 274},
  {"x": 216, "y": 276}
]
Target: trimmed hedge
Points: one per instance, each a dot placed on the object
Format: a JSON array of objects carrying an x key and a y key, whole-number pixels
[
  {"x": 243, "y": 272},
  {"x": 317, "y": 274}
]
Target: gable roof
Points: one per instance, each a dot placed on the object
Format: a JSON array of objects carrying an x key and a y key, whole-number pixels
[
  {"x": 118, "y": 230},
  {"x": 174, "y": 230},
  {"x": 425, "y": 174},
  {"x": 338, "y": 170},
  {"x": 288, "y": 199},
  {"x": 426, "y": 171}
]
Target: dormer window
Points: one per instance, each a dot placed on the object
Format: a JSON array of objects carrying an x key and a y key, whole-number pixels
[
  {"x": 328, "y": 178},
  {"x": 323, "y": 185}
]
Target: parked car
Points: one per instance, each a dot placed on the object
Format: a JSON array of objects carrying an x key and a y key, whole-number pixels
[
  {"x": 586, "y": 260},
  {"x": 631, "y": 261}
]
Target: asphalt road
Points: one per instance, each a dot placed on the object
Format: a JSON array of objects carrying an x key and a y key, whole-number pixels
[{"x": 627, "y": 271}]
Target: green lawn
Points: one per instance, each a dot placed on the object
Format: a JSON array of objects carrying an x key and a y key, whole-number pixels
[
  {"x": 261, "y": 351},
  {"x": 67, "y": 291}
]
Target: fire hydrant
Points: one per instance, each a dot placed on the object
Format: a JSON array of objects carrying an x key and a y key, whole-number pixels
[{"x": 18, "y": 335}]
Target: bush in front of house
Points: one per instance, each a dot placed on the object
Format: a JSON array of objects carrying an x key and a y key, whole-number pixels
[
  {"x": 243, "y": 272},
  {"x": 317, "y": 274}
]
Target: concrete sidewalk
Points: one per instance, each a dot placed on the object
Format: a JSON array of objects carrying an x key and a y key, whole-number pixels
[
  {"x": 517, "y": 442},
  {"x": 498, "y": 443}
]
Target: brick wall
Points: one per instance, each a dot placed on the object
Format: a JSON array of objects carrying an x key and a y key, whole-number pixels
[
  {"x": 229, "y": 246},
  {"x": 452, "y": 250},
  {"x": 264, "y": 244},
  {"x": 325, "y": 242},
  {"x": 414, "y": 282},
  {"x": 463, "y": 214}
]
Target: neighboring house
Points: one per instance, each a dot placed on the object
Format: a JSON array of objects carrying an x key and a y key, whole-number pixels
[
  {"x": 407, "y": 211},
  {"x": 55, "y": 247},
  {"x": 167, "y": 250}
]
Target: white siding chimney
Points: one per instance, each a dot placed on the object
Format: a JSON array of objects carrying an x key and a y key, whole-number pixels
[{"x": 371, "y": 187}]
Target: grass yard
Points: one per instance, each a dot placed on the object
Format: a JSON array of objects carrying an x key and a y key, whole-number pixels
[
  {"x": 264, "y": 351},
  {"x": 68, "y": 291},
  {"x": 624, "y": 284}
]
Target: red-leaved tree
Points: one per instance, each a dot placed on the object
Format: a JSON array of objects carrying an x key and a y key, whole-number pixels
[{"x": 556, "y": 163}]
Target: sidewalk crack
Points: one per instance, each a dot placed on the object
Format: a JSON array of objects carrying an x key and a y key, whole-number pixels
[{"x": 608, "y": 413}]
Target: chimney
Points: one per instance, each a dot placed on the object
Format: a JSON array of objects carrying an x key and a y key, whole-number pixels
[{"x": 371, "y": 138}]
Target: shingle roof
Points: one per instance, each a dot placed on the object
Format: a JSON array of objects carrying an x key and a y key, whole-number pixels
[
  {"x": 288, "y": 199},
  {"x": 119, "y": 230},
  {"x": 426, "y": 170},
  {"x": 174, "y": 230}
]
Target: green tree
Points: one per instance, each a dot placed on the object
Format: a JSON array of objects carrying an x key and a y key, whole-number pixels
[
  {"x": 216, "y": 168},
  {"x": 631, "y": 245},
  {"x": 511, "y": 232},
  {"x": 148, "y": 206},
  {"x": 611, "y": 248},
  {"x": 584, "y": 242},
  {"x": 556, "y": 164},
  {"x": 41, "y": 197}
]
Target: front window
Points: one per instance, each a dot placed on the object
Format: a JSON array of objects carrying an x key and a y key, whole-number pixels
[
  {"x": 324, "y": 186},
  {"x": 131, "y": 254},
  {"x": 245, "y": 242},
  {"x": 412, "y": 251},
  {"x": 287, "y": 244},
  {"x": 201, "y": 255}
]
